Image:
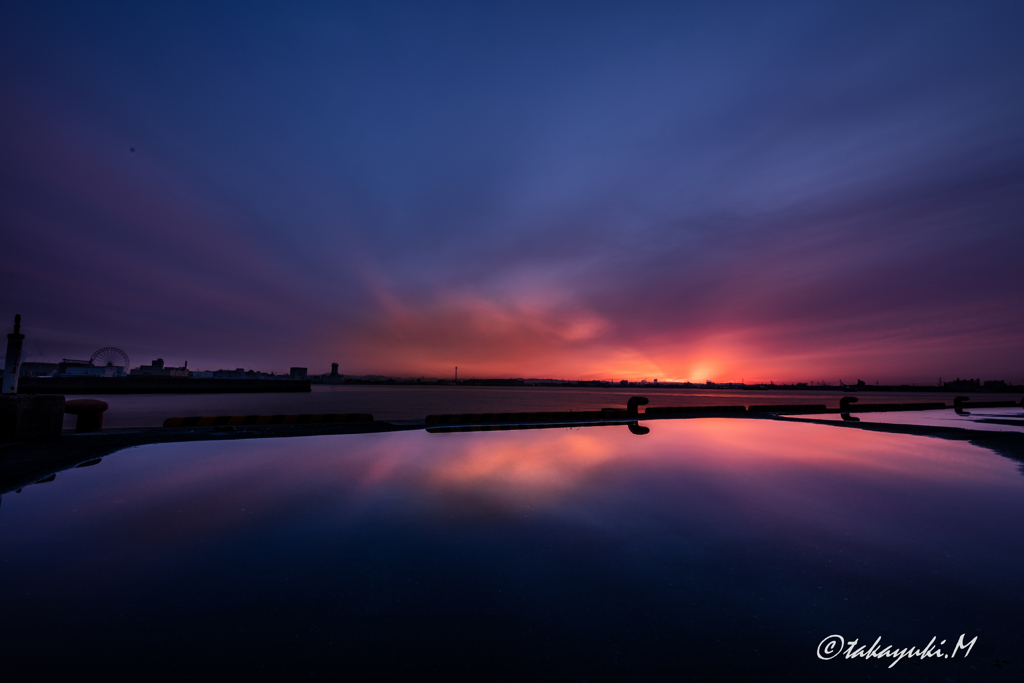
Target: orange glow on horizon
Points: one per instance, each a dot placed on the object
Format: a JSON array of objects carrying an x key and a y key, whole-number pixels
[{"x": 540, "y": 333}]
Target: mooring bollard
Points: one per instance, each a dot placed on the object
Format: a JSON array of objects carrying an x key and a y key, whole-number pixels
[
  {"x": 844, "y": 405},
  {"x": 89, "y": 412},
  {"x": 633, "y": 404}
]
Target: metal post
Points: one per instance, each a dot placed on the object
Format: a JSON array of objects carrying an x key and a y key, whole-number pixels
[{"x": 12, "y": 365}]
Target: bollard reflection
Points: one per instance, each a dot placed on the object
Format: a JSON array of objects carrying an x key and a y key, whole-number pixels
[{"x": 635, "y": 428}]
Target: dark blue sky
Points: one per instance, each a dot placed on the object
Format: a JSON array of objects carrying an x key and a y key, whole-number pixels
[{"x": 796, "y": 191}]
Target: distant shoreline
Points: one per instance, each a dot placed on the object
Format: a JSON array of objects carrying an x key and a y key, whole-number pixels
[{"x": 192, "y": 385}]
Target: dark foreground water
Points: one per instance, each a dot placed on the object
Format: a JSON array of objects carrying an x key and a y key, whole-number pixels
[{"x": 707, "y": 549}]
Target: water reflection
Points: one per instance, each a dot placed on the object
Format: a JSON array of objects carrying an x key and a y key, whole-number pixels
[
  {"x": 546, "y": 553},
  {"x": 636, "y": 428},
  {"x": 982, "y": 419},
  {"x": 550, "y": 461}
]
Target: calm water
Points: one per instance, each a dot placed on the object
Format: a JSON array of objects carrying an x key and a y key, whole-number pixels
[
  {"x": 984, "y": 419},
  {"x": 708, "y": 548},
  {"x": 415, "y": 403}
]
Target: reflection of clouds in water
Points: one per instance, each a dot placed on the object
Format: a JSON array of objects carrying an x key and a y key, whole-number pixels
[
  {"x": 551, "y": 461},
  {"x": 174, "y": 492},
  {"x": 754, "y": 460},
  {"x": 982, "y": 419},
  {"x": 555, "y": 461},
  {"x": 758, "y": 448}
]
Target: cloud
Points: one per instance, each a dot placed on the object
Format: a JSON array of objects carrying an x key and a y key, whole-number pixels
[{"x": 689, "y": 193}]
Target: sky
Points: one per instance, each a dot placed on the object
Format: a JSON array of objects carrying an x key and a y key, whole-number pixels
[{"x": 720, "y": 191}]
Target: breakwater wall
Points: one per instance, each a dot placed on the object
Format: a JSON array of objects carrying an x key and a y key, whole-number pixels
[{"x": 157, "y": 385}]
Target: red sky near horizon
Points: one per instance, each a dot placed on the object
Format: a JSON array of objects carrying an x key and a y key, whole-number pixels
[{"x": 792, "y": 193}]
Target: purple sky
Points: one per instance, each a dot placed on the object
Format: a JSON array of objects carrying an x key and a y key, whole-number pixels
[{"x": 726, "y": 191}]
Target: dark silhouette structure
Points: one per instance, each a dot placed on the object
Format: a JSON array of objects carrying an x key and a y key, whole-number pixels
[
  {"x": 633, "y": 404},
  {"x": 12, "y": 363},
  {"x": 89, "y": 411}
]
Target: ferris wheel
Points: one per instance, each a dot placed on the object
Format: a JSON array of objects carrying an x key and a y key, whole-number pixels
[{"x": 110, "y": 356}]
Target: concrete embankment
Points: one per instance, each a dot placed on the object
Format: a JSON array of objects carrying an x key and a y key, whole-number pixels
[{"x": 157, "y": 385}]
